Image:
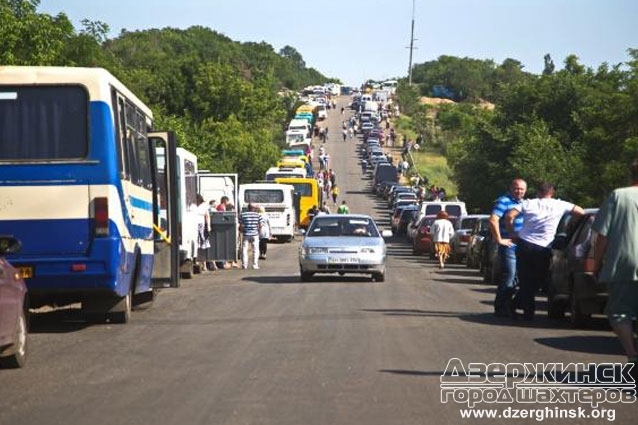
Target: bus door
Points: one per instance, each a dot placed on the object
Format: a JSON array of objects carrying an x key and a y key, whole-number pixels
[{"x": 166, "y": 217}]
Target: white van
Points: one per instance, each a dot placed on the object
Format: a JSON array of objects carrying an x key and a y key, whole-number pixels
[
  {"x": 453, "y": 208},
  {"x": 277, "y": 199},
  {"x": 300, "y": 125},
  {"x": 274, "y": 172},
  {"x": 297, "y": 137}
]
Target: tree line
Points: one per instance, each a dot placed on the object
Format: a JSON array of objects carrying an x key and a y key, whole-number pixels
[
  {"x": 227, "y": 101},
  {"x": 575, "y": 127}
]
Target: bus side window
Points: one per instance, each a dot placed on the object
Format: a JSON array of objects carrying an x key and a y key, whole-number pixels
[{"x": 122, "y": 144}]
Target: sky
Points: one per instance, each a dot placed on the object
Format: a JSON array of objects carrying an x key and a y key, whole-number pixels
[{"x": 357, "y": 40}]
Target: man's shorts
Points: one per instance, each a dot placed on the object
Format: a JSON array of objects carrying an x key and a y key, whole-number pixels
[{"x": 622, "y": 301}]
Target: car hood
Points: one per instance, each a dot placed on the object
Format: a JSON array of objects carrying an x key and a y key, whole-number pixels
[{"x": 350, "y": 241}]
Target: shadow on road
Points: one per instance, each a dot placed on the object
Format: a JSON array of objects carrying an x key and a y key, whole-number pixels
[
  {"x": 584, "y": 344},
  {"x": 57, "y": 321},
  {"x": 296, "y": 279}
]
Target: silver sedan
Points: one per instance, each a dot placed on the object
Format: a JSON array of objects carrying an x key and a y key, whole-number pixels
[{"x": 343, "y": 243}]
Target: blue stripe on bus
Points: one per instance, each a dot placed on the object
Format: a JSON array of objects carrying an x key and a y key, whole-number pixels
[{"x": 141, "y": 204}]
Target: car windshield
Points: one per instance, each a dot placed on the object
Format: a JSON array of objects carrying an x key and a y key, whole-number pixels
[
  {"x": 342, "y": 226},
  {"x": 468, "y": 223}
]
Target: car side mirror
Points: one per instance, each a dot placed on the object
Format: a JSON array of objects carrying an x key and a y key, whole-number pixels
[{"x": 386, "y": 234}]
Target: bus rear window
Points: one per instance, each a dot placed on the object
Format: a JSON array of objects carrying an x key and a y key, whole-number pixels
[
  {"x": 264, "y": 196},
  {"x": 43, "y": 122}
]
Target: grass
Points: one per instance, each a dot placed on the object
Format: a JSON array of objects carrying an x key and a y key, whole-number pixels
[
  {"x": 433, "y": 166},
  {"x": 428, "y": 162}
]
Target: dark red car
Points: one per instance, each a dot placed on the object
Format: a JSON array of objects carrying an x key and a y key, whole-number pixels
[
  {"x": 13, "y": 309},
  {"x": 422, "y": 242}
]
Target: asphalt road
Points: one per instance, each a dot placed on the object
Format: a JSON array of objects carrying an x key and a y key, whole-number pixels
[{"x": 259, "y": 347}]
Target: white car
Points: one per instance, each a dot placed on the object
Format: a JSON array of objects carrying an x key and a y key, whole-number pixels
[{"x": 343, "y": 243}]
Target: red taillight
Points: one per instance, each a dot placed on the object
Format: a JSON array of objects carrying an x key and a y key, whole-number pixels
[
  {"x": 78, "y": 267},
  {"x": 101, "y": 215}
]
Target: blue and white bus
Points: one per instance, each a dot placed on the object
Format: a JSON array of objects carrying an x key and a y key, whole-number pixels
[{"x": 80, "y": 188}]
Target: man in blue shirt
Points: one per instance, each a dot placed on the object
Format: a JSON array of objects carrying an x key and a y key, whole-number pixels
[{"x": 503, "y": 303}]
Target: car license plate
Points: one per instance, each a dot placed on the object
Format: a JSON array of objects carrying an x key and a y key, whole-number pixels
[
  {"x": 343, "y": 260},
  {"x": 25, "y": 272}
]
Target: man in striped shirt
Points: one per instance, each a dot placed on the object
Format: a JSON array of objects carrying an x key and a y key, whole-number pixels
[
  {"x": 249, "y": 223},
  {"x": 504, "y": 302}
]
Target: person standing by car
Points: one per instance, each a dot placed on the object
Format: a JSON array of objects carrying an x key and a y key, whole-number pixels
[
  {"x": 442, "y": 230},
  {"x": 616, "y": 257},
  {"x": 533, "y": 243},
  {"x": 503, "y": 303},
  {"x": 264, "y": 233},
  {"x": 250, "y": 223}
]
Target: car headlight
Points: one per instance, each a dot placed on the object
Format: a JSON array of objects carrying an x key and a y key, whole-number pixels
[
  {"x": 317, "y": 250},
  {"x": 368, "y": 250}
]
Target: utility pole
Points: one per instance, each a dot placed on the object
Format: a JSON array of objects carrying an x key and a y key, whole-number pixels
[{"x": 411, "y": 46}]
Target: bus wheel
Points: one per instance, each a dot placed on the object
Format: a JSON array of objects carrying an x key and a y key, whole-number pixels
[{"x": 121, "y": 312}]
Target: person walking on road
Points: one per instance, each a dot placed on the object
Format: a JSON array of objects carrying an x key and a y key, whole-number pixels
[
  {"x": 616, "y": 261},
  {"x": 343, "y": 208},
  {"x": 533, "y": 243},
  {"x": 334, "y": 192},
  {"x": 250, "y": 223},
  {"x": 442, "y": 231},
  {"x": 504, "y": 301},
  {"x": 364, "y": 166}
]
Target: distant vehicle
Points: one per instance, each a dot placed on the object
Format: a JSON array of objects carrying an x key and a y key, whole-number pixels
[
  {"x": 322, "y": 113},
  {"x": 343, "y": 243},
  {"x": 275, "y": 172},
  {"x": 307, "y": 194},
  {"x": 461, "y": 238},
  {"x": 453, "y": 208},
  {"x": 301, "y": 125},
  {"x": 422, "y": 240},
  {"x": 14, "y": 309},
  {"x": 475, "y": 244},
  {"x": 383, "y": 173},
  {"x": 278, "y": 202},
  {"x": 402, "y": 216}
]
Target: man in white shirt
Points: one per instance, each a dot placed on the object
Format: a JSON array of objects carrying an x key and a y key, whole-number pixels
[{"x": 541, "y": 216}]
